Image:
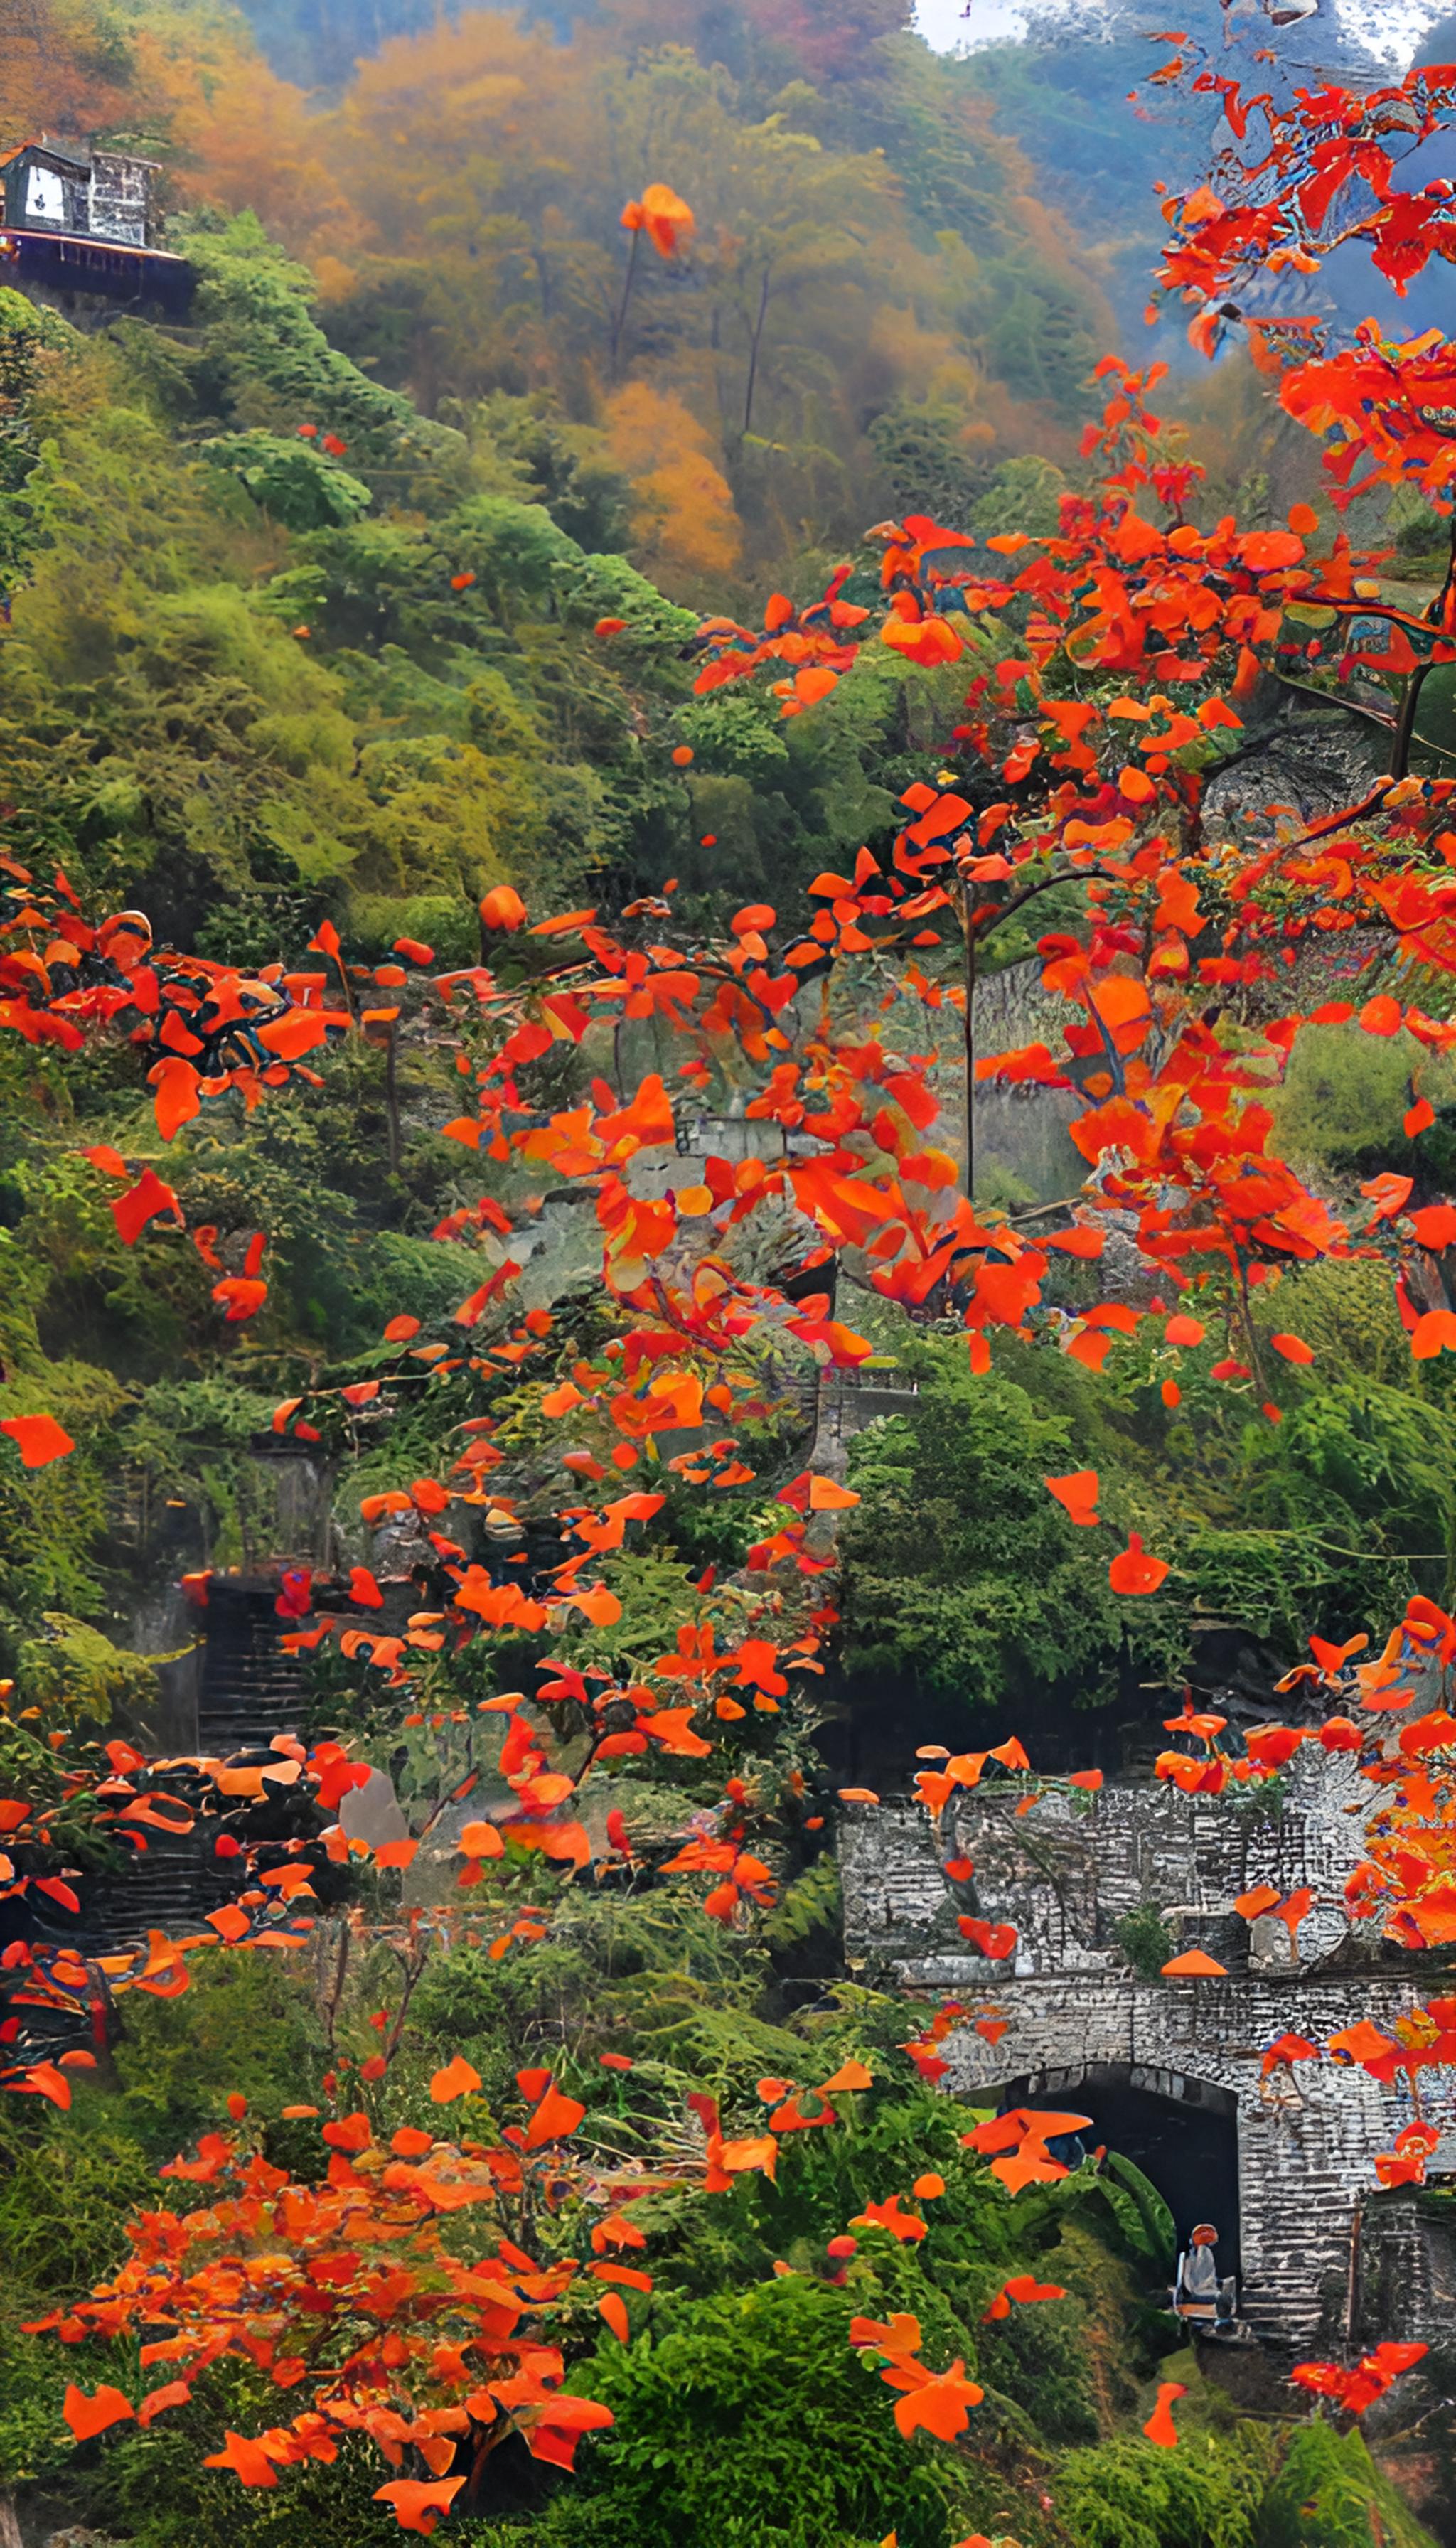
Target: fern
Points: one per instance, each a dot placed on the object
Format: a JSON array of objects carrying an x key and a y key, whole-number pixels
[
  {"x": 809, "y": 1908},
  {"x": 1143, "y": 2217}
]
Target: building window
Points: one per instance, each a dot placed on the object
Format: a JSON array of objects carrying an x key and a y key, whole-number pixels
[{"x": 44, "y": 196}]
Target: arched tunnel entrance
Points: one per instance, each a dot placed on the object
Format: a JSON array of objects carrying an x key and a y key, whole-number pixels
[{"x": 1182, "y": 2132}]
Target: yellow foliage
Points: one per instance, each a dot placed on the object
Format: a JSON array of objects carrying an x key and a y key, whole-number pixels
[
  {"x": 245, "y": 139},
  {"x": 442, "y": 132},
  {"x": 50, "y": 74},
  {"x": 901, "y": 349},
  {"x": 461, "y": 206},
  {"x": 683, "y": 520}
]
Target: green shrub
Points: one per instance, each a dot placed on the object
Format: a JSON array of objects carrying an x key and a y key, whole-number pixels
[
  {"x": 1128, "y": 2494},
  {"x": 752, "y": 2425},
  {"x": 1146, "y": 1940},
  {"x": 1344, "y": 1094},
  {"x": 1329, "y": 2494},
  {"x": 292, "y": 481},
  {"x": 75, "y": 1675}
]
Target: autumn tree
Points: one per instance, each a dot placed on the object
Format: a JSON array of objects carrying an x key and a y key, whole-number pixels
[
  {"x": 1110, "y": 666},
  {"x": 68, "y": 68},
  {"x": 484, "y": 250}
]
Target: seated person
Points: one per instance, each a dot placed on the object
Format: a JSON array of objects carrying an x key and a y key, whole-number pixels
[{"x": 1201, "y": 2293}]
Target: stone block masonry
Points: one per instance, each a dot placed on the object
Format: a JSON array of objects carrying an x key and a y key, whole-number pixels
[
  {"x": 1076, "y": 2012},
  {"x": 1407, "y": 2267}
]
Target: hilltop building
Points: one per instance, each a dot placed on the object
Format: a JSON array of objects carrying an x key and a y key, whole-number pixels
[{"x": 79, "y": 224}]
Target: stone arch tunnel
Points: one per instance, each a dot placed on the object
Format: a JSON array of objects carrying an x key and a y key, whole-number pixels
[{"x": 1181, "y": 2131}]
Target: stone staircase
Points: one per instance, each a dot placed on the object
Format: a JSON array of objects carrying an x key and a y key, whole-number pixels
[
  {"x": 1280, "y": 2308},
  {"x": 167, "y": 1888},
  {"x": 250, "y": 1689}
]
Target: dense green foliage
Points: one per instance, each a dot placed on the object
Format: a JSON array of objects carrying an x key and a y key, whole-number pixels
[{"x": 964, "y": 1575}]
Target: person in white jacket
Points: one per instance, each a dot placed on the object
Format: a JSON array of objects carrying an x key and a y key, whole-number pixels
[{"x": 1201, "y": 2291}]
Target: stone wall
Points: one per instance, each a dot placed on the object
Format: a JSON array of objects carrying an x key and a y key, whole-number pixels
[
  {"x": 1073, "y": 2007},
  {"x": 1406, "y": 2268}
]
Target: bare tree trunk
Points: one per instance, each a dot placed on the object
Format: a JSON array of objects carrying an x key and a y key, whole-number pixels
[
  {"x": 619, "y": 324},
  {"x": 1405, "y": 736},
  {"x": 969, "y": 1036},
  {"x": 9, "y": 2520},
  {"x": 391, "y": 1098},
  {"x": 331, "y": 1995},
  {"x": 1352, "y": 2274},
  {"x": 756, "y": 339}
]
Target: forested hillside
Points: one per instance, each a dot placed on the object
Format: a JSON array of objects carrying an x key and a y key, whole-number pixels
[
  {"x": 379, "y": 659},
  {"x": 874, "y": 304}
]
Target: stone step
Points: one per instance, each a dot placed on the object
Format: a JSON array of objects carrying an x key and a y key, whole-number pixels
[
  {"x": 172, "y": 1893},
  {"x": 236, "y": 1702},
  {"x": 230, "y": 1702},
  {"x": 247, "y": 1732},
  {"x": 250, "y": 1689},
  {"x": 229, "y": 1670}
]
